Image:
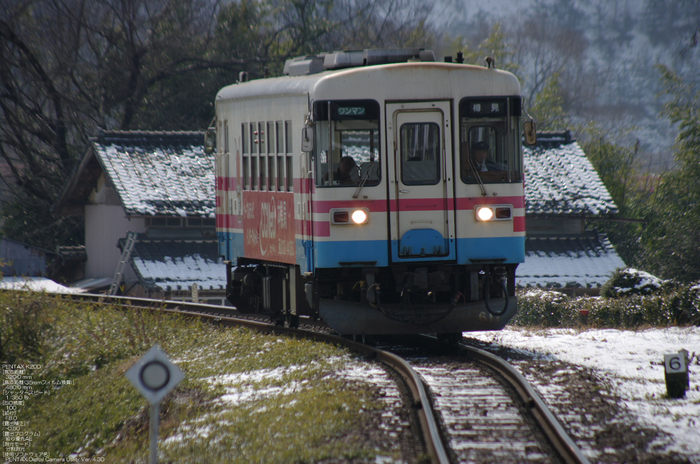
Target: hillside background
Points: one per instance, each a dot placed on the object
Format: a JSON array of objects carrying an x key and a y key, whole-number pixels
[{"x": 605, "y": 50}]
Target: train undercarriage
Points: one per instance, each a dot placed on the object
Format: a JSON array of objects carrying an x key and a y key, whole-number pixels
[{"x": 402, "y": 299}]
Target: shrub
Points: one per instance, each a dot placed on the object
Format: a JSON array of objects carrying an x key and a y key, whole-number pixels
[
  {"x": 631, "y": 282},
  {"x": 542, "y": 308},
  {"x": 671, "y": 305}
]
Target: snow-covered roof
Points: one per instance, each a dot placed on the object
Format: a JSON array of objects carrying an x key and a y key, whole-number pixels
[
  {"x": 561, "y": 181},
  {"x": 171, "y": 265},
  {"x": 586, "y": 261},
  {"x": 159, "y": 173}
]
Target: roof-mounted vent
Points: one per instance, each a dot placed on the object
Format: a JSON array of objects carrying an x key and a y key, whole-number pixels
[{"x": 305, "y": 65}]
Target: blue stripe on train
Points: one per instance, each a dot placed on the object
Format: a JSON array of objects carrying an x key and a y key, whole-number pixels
[{"x": 331, "y": 254}]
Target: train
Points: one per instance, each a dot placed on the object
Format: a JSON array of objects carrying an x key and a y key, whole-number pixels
[{"x": 378, "y": 190}]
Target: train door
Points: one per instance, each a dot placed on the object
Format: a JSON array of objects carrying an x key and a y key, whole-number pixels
[{"x": 421, "y": 199}]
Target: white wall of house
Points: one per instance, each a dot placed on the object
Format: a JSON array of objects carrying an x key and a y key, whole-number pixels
[{"x": 104, "y": 226}]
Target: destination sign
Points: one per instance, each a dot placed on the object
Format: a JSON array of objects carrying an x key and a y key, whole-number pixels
[
  {"x": 346, "y": 109},
  {"x": 351, "y": 111}
]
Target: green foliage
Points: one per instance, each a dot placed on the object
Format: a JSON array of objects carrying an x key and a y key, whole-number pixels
[
  {"x": 543, "y": 308},
  {"x": 670, "y": 241},
  {"x": 495, "y": 45},
  {"x": 25, "y": 323},
  {"x": 548, "y": 107},
  {"x": 668, "y": 306}
]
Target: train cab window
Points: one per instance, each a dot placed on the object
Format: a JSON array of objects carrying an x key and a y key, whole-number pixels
[
  {"x": 484, "y": 154},
  {"x": 420, "y": 153},
  {"x": 489, "y": 140},
  {"x": 346, "y": 149}
]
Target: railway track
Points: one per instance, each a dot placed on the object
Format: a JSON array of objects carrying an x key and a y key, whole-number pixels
[
  {"x": 488, "y": 411},
  {"x": 480, "y": 410}
]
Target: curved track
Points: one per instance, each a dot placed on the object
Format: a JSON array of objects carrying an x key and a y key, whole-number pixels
[{"x": 432, "y": 435}]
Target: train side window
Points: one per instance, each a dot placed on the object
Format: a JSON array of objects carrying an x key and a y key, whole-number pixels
[
  {"x": 263, "y": 171},
  {"x": 271, "y": 137},
  {"x": 290, "y": 173},
  {"x": 245, "y": 173},
  {"x": 253, "y": 140},
  {"x": 280, "y": 173},
  {"x": 244, "y": 137},
  {"x": 226, "y": 149},
  {"x": 280, "y": 137},
  {"x": 254, "y": 172},
  {"x": 261, "y": 138},
  {"x": 288, "y": 136},
  {"x": 271, "y": 171}
]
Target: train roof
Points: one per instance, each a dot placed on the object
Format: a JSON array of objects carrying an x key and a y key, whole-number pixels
[{"x": 374, "y": 78}]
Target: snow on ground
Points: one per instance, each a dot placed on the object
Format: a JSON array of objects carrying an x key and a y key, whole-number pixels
[
  {"x": 35, "y": 284},
  {"x": 634, "y": 363}
]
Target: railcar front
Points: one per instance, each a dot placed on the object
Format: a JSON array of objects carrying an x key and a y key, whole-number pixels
[{"x": 395, "y": 221}]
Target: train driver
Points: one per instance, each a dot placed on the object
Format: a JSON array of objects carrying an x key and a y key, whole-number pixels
[{"x": 480, "y": 160}]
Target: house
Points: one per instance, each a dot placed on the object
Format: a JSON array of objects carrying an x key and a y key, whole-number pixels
[
  {"x": 157, "y": 187},
  {"x": 562, "y": 191}
]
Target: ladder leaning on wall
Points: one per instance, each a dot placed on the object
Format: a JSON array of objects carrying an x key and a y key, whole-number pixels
[{"x": 123, "y": 260}]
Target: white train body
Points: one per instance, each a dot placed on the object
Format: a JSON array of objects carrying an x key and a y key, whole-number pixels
[{"x": 422, "y": 260}]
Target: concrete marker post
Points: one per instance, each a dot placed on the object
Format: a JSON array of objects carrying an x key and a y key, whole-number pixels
[{"x": 676, "y": 374}]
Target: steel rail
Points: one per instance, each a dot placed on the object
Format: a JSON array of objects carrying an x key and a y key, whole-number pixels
[
  {"x": 432, "y": 439},
  {"x": 553, "y": 430}
]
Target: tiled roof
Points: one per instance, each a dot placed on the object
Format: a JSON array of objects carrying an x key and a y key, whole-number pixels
[
  {"x": 159, "y": 173},
  {"x": 561, "y": 181},
  {"x": 586, "y": 261},
  {"x": 72, "y": 253},
  {"x": 170, "y": 265}
]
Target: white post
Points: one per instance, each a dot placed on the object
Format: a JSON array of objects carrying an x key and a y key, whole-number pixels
[{"x": 155, "y": 410}]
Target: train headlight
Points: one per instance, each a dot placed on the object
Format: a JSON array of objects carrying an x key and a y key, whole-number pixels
[
  {"x": 349, "y": 216},
  {"x": 484, "y": 213},
  {"x": 494, "y": 213},
  {"x": 359, "y": 216}
]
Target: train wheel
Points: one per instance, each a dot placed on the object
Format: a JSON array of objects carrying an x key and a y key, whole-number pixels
[
  {"x": 277, "y": 319},
  {"x": 292, "y": 321}
]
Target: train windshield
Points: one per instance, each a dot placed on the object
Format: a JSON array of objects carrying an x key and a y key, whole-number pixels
[
  {"x": 346, "y": 150},
  {"x": 489, "y": 144}
]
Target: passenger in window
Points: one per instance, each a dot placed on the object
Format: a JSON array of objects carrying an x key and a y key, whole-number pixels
[{"x": 347, "y": 172}]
